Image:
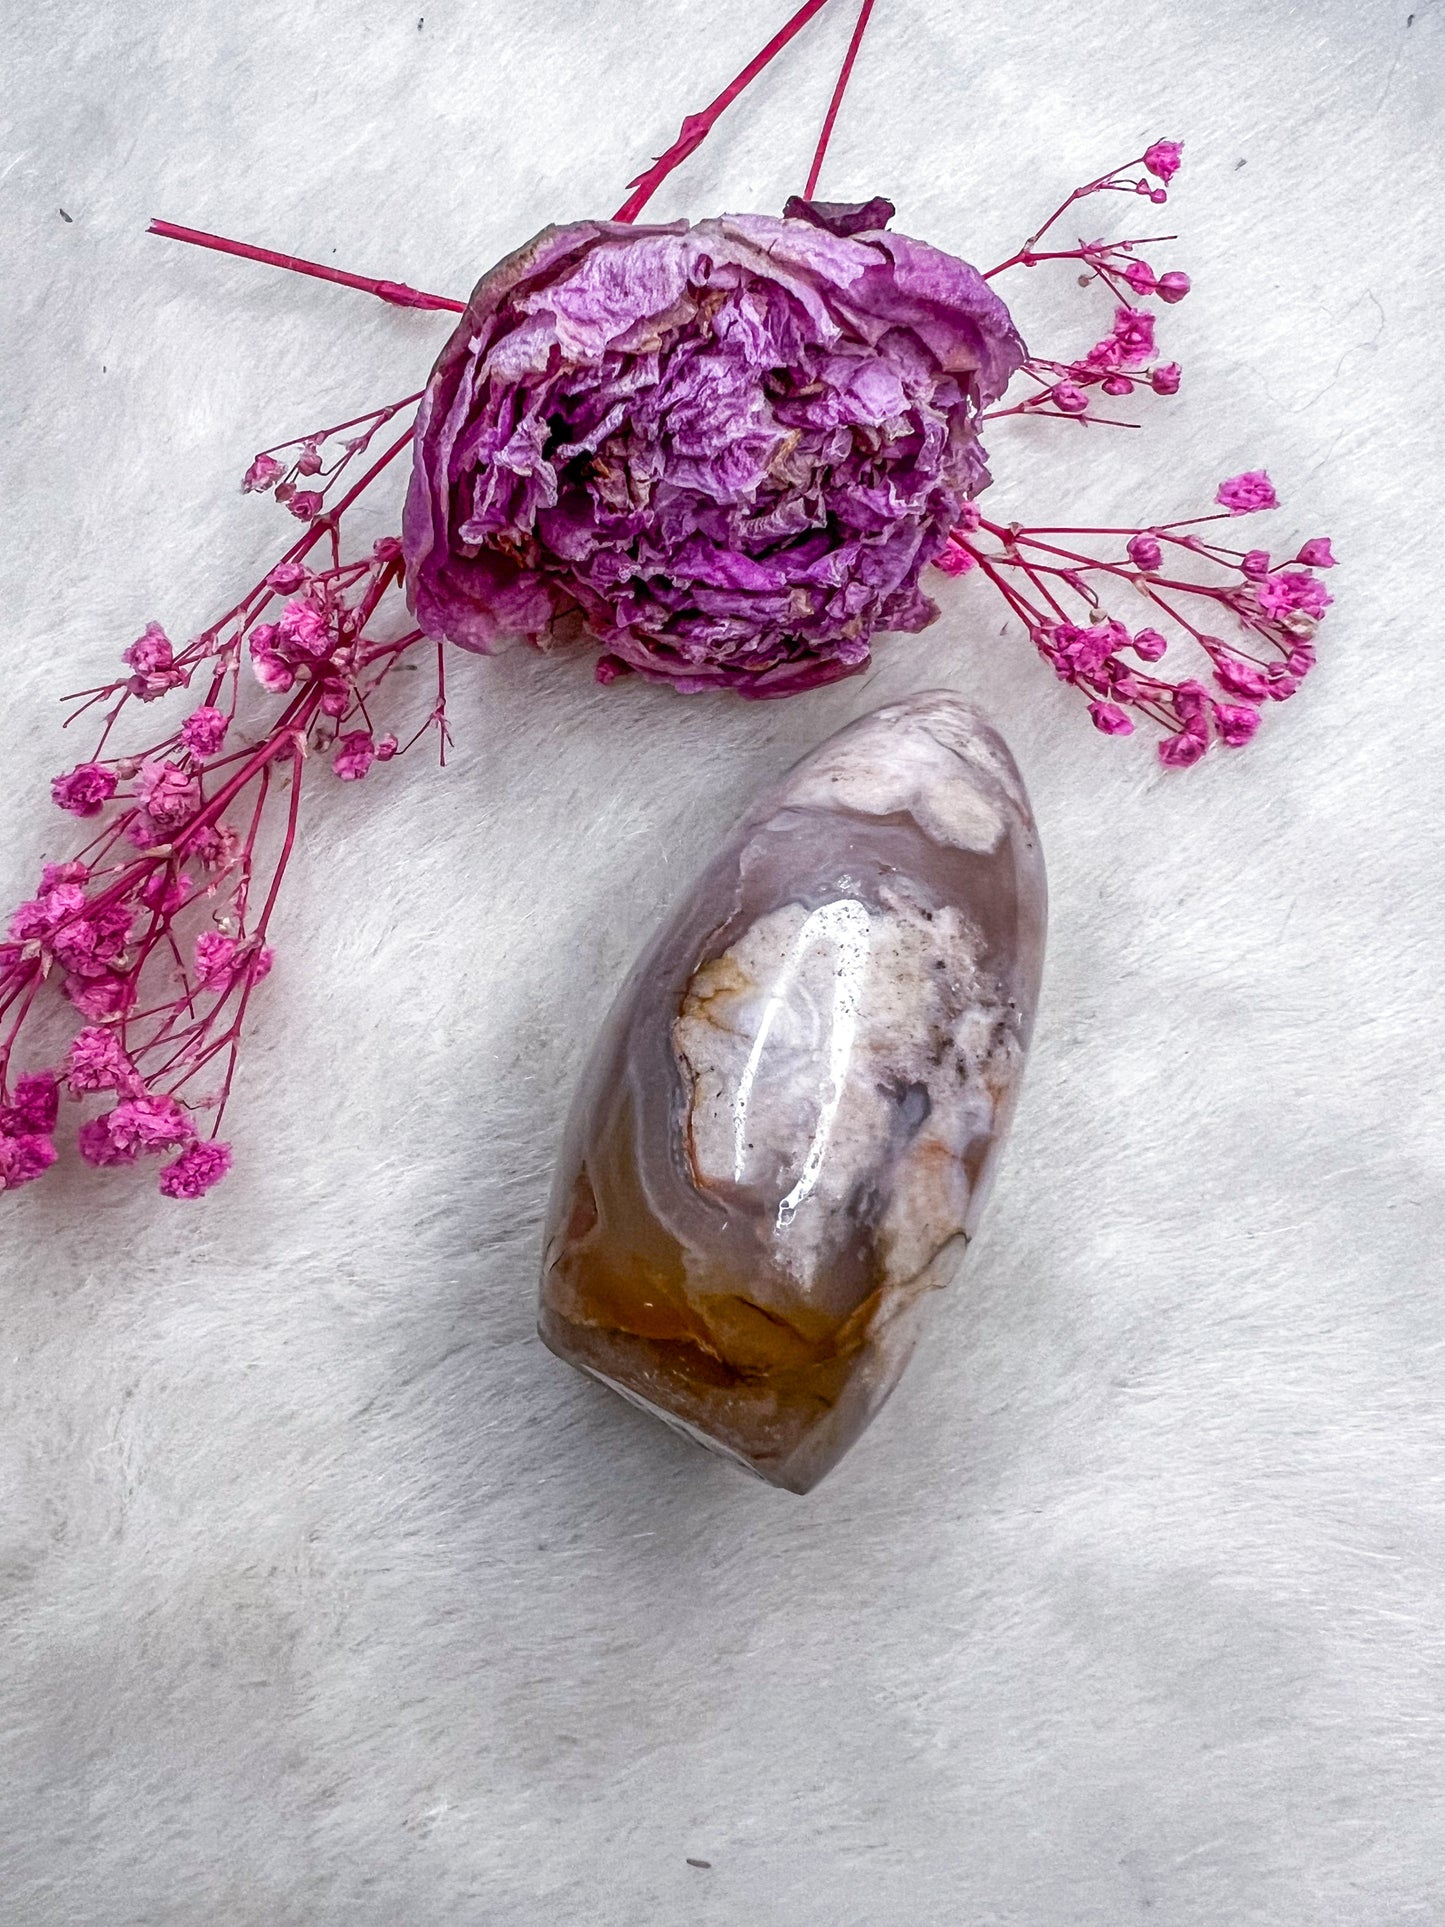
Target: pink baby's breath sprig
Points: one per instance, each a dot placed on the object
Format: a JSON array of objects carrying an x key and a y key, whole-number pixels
[
  {"x": 1126, "y": 359},
  {"x": 301, "y": 473},
  {"x": 156, "y": 931},
  {"x": 1160, "y": 163},
  {"x": 1066, "y": 586},
  {"x": 1058, "y": 581}
]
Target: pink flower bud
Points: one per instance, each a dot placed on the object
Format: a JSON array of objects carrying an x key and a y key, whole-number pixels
[
  {"x": 305, "y": 505},
  {"x": 23, "y": 1158},
  {"x": 1241, "y": 678},
  {"x": 1158, "y": 196},
  {"x": 197, "y": 1168},
  {"x": 1134, "y": 332},
  {"x": 1255, "y": 563},
  {"x": 1165, "y": 380},
  {"x": 386, "y": 548},
  {"x": 286, "y": 576},
  {"x": 33, "y": 1106},
  {"x": 1111, "y": 719},
  {"x": 386, "y": 747},
  {"x": 1140, "y": 277},
  {"x": 1300, "y": 660},
  {"x": 150, "y": 652},
  {"x": 1316, "y": 553},
  {"x": 354, "y": 756},
  {"x": 1237, "y": 723},
  {"x": 1162, "y": 159},
  {"x": 149, "y": 1123},
  {"x": 204, "y": 730},
  {"x": 1068, "y": 398},
  {"x": 1149, "y": 645},
  {"x": 96, "y": 1062},
  {"x": 1173, "y": 287},
  {"x": 85, "y": 791},
  {"x": 1186, "y": 747},
  {"x": 1246, "y": 494},
  {"x": 1118, "y": 385},
  {"x": 1144, "y": 551},
  {"x": 308, "y": 462},
  {"x": 263, "y": 473}
]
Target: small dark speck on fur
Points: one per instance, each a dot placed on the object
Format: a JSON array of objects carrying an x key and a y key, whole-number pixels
[
  {"x": 63, "y": 215},
  {"x": 699, "y": 1863}
]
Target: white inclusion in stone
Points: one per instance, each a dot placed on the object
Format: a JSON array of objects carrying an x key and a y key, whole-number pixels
[{"x": 844, "y": 925}]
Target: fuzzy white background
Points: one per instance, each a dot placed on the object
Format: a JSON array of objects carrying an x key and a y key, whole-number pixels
[{"x": 331, "y": 1599}]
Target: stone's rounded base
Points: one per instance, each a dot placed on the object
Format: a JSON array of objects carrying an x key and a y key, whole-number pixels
[{"x": 790, "y": 1120}]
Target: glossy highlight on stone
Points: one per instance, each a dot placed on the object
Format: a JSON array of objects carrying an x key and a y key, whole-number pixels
[{"x": 788, "y": 1126}]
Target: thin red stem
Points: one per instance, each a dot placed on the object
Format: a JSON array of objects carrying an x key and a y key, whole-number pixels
[
  {"x": 833, "y": 105},
  {"x": 697, "y": 127},
  {"x": 396, "y": 292}
]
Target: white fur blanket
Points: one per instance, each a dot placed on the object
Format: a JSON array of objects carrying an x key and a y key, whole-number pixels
[{"x": 330, "y": 1598}]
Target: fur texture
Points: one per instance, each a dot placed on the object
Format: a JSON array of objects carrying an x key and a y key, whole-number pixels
[{"x": 330, "y": 1598}]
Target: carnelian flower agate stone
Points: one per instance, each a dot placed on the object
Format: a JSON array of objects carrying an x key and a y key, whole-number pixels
[{"x": 788, "y": 1126}]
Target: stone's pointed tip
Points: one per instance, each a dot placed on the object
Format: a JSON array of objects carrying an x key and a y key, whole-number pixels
[{"x": 790, "y": 1121}]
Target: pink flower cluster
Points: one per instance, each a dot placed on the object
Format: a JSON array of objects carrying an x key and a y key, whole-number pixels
[
  {"x": 1126, "y": 356},
  {"x": 149, "y": 932},
  {"x": 321, "y": 457},
  {"x": 1277, "y": 609},
  {"x": 1052, "y": 578}
]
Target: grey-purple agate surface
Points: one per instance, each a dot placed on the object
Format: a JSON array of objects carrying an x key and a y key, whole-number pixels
[{"x": 790, "y": 1122}]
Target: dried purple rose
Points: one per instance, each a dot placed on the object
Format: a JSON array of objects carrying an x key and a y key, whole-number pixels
[{"x": 731, "y": 447}]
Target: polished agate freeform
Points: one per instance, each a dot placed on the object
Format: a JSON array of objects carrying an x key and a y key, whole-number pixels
[{"x": 788, "y": 1125}]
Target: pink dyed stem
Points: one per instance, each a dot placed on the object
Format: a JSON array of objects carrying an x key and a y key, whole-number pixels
[
  {"x": 697, "y": 127},
  {"x": 833, "y": 105},
  {"x": 396, "y": 292}
]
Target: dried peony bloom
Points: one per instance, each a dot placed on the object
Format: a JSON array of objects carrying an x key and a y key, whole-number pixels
[{"x": 730, "y": 447}]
